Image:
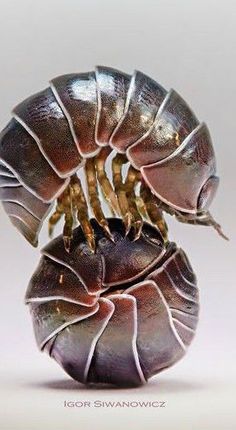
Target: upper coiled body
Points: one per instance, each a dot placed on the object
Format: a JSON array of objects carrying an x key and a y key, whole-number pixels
[{"x": 55, "y": 131}]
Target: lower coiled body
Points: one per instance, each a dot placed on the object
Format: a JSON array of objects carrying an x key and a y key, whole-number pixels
[{"x": 119, "y": 315}]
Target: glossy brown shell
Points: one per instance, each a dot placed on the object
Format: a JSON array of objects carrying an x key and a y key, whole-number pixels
[
  {"x": 118, "y": 316},
  {"x": 54, "y": 131}
]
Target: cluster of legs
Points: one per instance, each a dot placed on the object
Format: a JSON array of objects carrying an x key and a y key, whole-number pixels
[{"x": 127, "y": 195}]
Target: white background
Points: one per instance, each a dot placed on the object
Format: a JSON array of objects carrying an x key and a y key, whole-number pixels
[{"x": 187, "y": 45}]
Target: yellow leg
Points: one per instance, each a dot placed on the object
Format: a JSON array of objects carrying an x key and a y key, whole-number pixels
[
  {"x": 153, "y": 211},
  {"x": 56, "y": 216},
  {"x": 104, "y": 182},
  {"x": 141, "y": 207},
  {"x": 63, "y": 207},
  {"x": 81, "y": 209},
  {"x": 69, "y": 219},
  {"x": 133, "y": 177},
  {"x": 118, "y": 161},
  {"x": 94, "y": 197}
]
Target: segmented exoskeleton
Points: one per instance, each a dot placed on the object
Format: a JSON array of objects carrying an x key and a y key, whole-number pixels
[
  {"x": 76, "y": 123},
  {"x": 119, "y": 315}
]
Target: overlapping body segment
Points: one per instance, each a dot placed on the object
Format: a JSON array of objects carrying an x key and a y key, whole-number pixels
[
  {"x": 144, "y": 99},
  {"x": 173, "y": 123},
  {"x": 19, "y": 151},
  {"x": 43, "y": 118},
  {"x": 77, "y": 96},
  {"x": 112, "y": 90},
  {"x": 179, "y": 179}
]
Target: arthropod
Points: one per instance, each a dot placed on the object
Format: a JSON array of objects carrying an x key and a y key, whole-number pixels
[
  {"x": 119, "y": 315},
  {"x": 80, "y": 120}
]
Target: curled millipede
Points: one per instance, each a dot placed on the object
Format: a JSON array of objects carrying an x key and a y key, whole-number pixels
[
  {"x": 119, "y": 315},
  {"x": 75, "y": 124}
]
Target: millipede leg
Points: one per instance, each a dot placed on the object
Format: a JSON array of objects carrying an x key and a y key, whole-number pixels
[
  {"x": 141, "y": 206},
  {"x": 56, "y": 216},
  {"x": 104, "y": 182},
  {"x": 69, "y": 219},
  {"x": 133, "y": 177},
  {"x": 153, "y": 211},
  {"x": 118, "y": 161},
  {"x": 81, "y": 209},
  {"x": 94, "y": 197}
]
